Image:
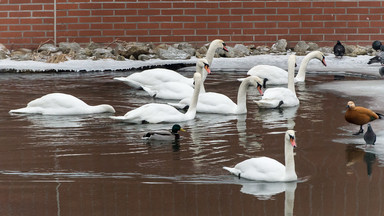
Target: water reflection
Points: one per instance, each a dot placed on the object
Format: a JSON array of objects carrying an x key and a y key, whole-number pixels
[
  {"x": 278, "y": 118},
  {"x": 356, "y": 155}
]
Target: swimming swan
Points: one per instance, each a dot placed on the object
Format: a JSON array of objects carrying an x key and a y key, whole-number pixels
[
  {"x": 155, "y": 76},
  {"x": 156, "y": 113},
  {"x": 212, "y": 102},
  {"x": 62, "y": 104},
  {"x": 175, "y": 90},
  {"x": 268, "y": 169},
  {"x": 280, "y": 96},
  {"x": 278, "y": 76}
]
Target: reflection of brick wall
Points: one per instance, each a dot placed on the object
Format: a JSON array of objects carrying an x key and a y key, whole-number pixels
[{"x": 30, "y": 22}]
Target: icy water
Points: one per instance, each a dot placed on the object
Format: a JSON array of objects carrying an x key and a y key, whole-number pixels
[{"x": 91, "y": 165}]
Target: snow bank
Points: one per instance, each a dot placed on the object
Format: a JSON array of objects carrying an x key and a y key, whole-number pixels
[{"x": 346, "y": 64}]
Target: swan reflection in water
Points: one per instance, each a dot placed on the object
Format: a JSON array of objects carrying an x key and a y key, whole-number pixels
[
  {"x": 277, "y": 118},
  {"x": 266, "y": 191}
]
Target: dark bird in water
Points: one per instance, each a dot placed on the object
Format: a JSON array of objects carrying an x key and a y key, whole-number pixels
[
  {"x": 376, "y": 45},
  {"x": 339, "y": 49},
  {"x": 173, "y": 134},
  {"x": 381, "y": 71},
  {"x": 370, "y": 136},
  {"x": 360, "y": 115}
]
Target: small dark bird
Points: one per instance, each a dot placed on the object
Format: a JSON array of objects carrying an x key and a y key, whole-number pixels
[
  {"x": 376, "y": 45},
  {"x": 164, "y": 135},
  {"x": 379, "y": 58},
  {"x": 370, "y": 136},
  {"x": 339, "y": 50},
  {"x": 381, "y": 71},
  {"x": 360, "y": 115}
]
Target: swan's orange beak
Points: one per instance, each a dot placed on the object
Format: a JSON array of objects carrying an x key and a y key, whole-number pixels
[
  {"x": 206, "y": 67},
  {"x": 259, "y": 89},
  {"x": 293, "y": 142},
  {"x": 224, "y": 47},
  {"x": 323, "y": 61}
]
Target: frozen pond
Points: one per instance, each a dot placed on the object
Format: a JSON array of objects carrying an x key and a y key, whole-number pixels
[{"x": 92, "y": 165}]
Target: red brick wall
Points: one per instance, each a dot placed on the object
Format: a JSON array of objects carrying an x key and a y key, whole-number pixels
[{"x": 27, "y": 23}]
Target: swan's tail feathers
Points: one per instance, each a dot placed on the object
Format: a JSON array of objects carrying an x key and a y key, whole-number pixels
[
  {"x": 129, "y": 82},
  {"x": 119, "y": 118},
  {"x": 178, "y": 105},
  {"x": 151, "y": 92},
  {"x": 234, "y": 171},
  {"x": 267, "y": 104}
]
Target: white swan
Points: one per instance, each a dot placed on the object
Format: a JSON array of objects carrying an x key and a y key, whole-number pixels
[
  {"x": 278, "y": 76},
  {"x": 156, "y": 113},
  {"x": 268, "y": 169},
  {"x": 155, "y": 76},
  {"x": 62, "y": 104},
  {"x": 279, "y": 96},
  {"x": 212, "y": 102},
  {"x": 175, "y": 90}
]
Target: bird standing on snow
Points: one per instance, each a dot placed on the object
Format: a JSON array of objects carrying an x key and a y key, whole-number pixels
[
  {"x": 173, "y": 134},
  {"x": 360, "y": 115},
  {"x": 339, "y": 49},
  {"x": 370, "y": 136}
]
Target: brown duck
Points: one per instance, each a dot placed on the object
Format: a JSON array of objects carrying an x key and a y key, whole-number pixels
[{"x": 360, "y": 115}]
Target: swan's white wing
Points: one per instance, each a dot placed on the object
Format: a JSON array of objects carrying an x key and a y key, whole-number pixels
[
  {"x": 55, "y": 104},
  {"x": 275, "y": 75},
  {"x": 261, "y": 169},
  {"x": 169, "y": 90},
  {"x": 153, "y": 113},
  {"x": 273, "y": 96},
  {"x": 210, "y": 102},
  {"x": 154, "y": 77}
]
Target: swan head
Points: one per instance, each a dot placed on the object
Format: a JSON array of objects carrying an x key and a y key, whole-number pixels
[
  {"x": 203, "y": 63},
  {"x": 219, "y": 44},
  {"x": 176, "y": 128},
  {"x": 290, "y": 136},
  {"x": 351, "y": 105},
  {"x": 319, "y": 55},
  {"x": 257, "y": 82}
]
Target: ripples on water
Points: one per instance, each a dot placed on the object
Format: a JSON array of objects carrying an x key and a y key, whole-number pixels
[{"x": 95, "y": 157}]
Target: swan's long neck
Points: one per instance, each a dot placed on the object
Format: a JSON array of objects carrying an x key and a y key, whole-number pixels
[
  {"x": 289, "y": 160},
  {"x": 211, "y": 52},
  {"x": 204, "y": 75},
  {"x": 192, "y": 107},
  {"x": 242, "y": 96},
  {"x": 291, "y": 79},
  {"x": 300, "y": 77}
]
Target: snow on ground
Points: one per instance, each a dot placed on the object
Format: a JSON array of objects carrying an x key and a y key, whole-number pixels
[{"x": 346, "y": 64}]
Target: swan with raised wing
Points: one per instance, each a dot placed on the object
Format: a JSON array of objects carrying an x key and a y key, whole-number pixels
[
  {"x": 155, "y": 76},
  {"x": 156, "y": 113},
  {"x": 278, "y": 76},
  {"x": 268, "y": 169},
  {"x": 280, "y": 96}
]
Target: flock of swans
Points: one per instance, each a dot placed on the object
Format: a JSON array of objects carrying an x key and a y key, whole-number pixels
[{"x": 168, "y": 84}]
